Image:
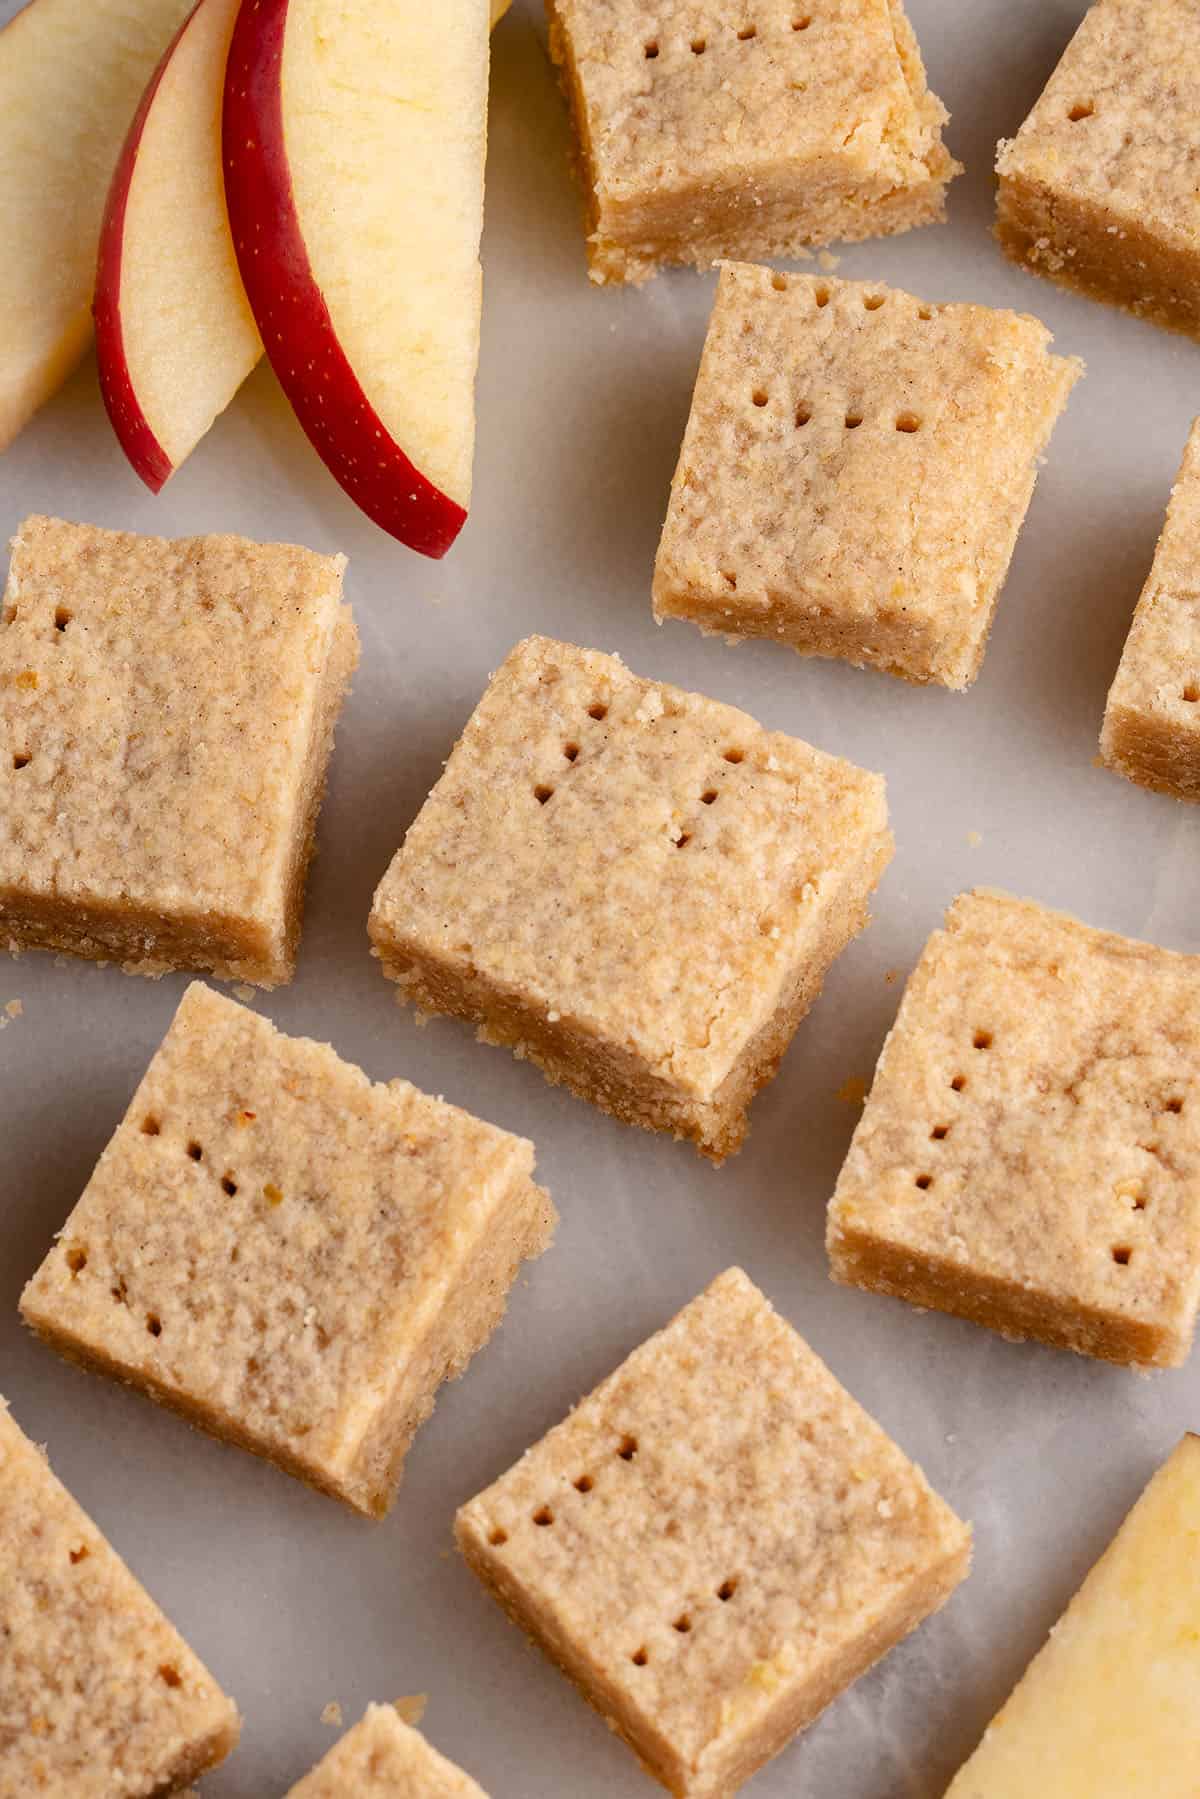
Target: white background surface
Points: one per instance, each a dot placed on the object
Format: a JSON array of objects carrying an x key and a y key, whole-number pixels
[{"x": 583, "y": 394}]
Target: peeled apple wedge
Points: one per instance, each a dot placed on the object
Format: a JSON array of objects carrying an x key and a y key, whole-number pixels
[
  {"x": 175, "y": 337},
  {"x": 1110, "y": 1707},
  {"x": 354, "y": 138},
  {"x": 70, "y": 75}
]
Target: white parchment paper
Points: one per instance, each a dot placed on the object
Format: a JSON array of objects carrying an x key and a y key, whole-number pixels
[{"x": 583, "y": 396}]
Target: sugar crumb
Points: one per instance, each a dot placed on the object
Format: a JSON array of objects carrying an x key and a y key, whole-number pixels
[
  {"x": 974, "y": 839},
  {"x": 332, "y": 1714},
  {"x": 828, "y": 261},
  {"x": 411, "y": 1707},
  {"x": 244, "y": 993}
]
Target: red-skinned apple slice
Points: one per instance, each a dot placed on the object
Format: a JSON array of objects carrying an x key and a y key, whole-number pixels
[
  {"x": 175, "y": 337},
  {"x": 70, "y": 75},
  {"x": 354, "y": 138}
]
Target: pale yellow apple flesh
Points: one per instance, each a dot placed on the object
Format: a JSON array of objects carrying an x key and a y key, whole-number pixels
[
  {"x": 182, "y": 330},
  {"x": 71, "y": 74},
  {"x": 1111, "y": 1705},
  {"x": 354, "y": 138},
  {"x": 385, "y": 125}
]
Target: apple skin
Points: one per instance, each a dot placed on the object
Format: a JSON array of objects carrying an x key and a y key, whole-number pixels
[
  {"x": 146, "y": 455},
  {"x": 289, "y": 307}
]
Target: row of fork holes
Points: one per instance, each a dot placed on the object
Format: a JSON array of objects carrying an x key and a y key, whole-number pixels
[
  {"x": 1122, "y": 1253},
  {"x": 746, "y": 34},
  {"x": 626, "y": 1450},
  {"x": 544, "y": 791},
  {"x": 904, "y": 421},
  {"x": 1132, "y": 1193},
  {"x": 710, "y": 796},
  {"x": 77, "y": 1257},
  {"x": 822, "y": 296},
  {"x": 683, "y": 1623},
  {"x": 62, "y": 618},
  {"x": 152, "y": 1127},
  {"x": 584, "y": 1483},
  {"x": 982, "y": 1040}
]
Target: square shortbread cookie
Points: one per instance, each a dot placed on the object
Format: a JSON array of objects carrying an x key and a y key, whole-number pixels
[
  {"x": 855, "y": 470},
  {"x": 716, "y": 1542},
  {"x": 100, "y": 1698},
  {"x": 1110, "y": 1707},
  {"x": 166, "y": 716},
  {"x": 721, "y": 129},
  {"x": 293, "y": 1258},
  {"x": 1029, "y": 1156},
  {"x": 383, "y": 1758},
  {"x": 1151, "y": 728},
  {"x": 1098, "y": 188},
  {"x": 638, "y": 888}
]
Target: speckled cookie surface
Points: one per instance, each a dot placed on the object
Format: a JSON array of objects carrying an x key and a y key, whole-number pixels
[
  {"x": 641, "y": 866},
  {"x": 1117, "y": 122},
  {"x": 709, "y": 1543},
  {"x": 856, "y": 466},
  {"x": 289, "y": 1254},
  {"x": 708, "y": 131},
  {"x": 1152, "y": 720},
  {"x": 384, "y": 1758},
  {"x": 100, "y": 1698},
  {"x": 166, "y": 711},
  {"x": 1029, "y": 1155},
  {"x": 1098, "y": 188}
]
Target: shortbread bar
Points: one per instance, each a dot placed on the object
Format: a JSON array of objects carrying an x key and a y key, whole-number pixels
[
  {"x": 637, "y": 888},
  {"x": 855, "y": 471},
  {"x": 1109, "y": 1706},
  {"x": 166, "y": 716},
  {"x": 293, "y": 1258},
  {"x": 100, "y": 1698},
  {"x": 716, "y": 1542},
  {"x": 382, "y": 1758},
  {"x": 1151, "y": 728},
  {"x": 717, "y": 129},
  {"x": 1098, "y": 188},
  {"x": 1029, "y": 1157}
]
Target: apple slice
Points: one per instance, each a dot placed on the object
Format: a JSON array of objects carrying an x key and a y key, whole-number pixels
[
  {"x": 175, "y": 337},
  {"x": 70, "y": 75},
  {"x": 354, "y": 145}
]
